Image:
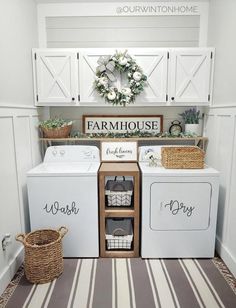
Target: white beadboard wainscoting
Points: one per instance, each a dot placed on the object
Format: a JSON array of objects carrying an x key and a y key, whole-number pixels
[
  {"x": 220, "y": 128},
  {"x": 19, "y": 152}
]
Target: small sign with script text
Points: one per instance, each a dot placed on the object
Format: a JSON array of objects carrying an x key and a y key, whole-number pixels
[{"x": 119, "y": 151}]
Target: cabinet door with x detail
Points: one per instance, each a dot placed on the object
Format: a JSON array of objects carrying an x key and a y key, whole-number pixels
[
  {"x": 56, "y": 76},
  {"x": 190, "y": 75}
]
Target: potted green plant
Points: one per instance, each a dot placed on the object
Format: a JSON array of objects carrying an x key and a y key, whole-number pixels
[
  {"x": 191, "y": 119},
  {"x": 56, "y": 128}
]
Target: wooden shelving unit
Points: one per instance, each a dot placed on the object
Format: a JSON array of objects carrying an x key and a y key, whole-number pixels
[{"x": 119, "y": 169}]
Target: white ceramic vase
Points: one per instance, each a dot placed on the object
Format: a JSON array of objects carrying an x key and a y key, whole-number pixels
[{"x": 193, "y": 129}]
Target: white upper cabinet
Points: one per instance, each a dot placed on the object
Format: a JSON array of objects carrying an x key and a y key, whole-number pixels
[
  {"x": 153, "y": 62},
  {"x": 190, "y": 76},
  {"x": 56, "y": 77},
  {"x": 88, "y": 62},
  {"x": 175, "y": 76}
]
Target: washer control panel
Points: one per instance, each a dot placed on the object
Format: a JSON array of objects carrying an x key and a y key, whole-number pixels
[{"x": 72, "y": 153}]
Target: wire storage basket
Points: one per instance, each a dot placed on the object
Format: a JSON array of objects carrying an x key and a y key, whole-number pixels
[
  {"x": 119, "y": 233},
  {"x": 43, "y": 254},
  {"x": 183, "y": 157},
  {"x": 60, "y": 132},
  {"x": 119, "y": 193}
]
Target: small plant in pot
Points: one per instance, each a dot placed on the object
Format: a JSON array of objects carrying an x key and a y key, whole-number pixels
[
  {"x": 191, "y": 119},
  {"x": 56, "y": 128}
]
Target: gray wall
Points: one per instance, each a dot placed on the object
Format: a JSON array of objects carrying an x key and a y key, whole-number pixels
[{"x": 18, "y": 32}]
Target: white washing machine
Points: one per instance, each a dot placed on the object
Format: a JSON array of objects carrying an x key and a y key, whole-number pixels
[
  {"x": 63, "y": 191},
  {"x": 179, "y": 210}
]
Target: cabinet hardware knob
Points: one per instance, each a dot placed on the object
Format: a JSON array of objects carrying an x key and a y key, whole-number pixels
[
  {"x": 73, "y": 98},
  {"x": 172, "y": 98}
]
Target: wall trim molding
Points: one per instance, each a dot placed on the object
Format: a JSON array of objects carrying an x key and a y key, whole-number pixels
[
  {"x": 11, "y": 269},
  {"x": 16, "y": 112},
  {"x": 17, "y": 106},
  {"x": 221, "y": 106},
  {"x": 226, "y": 256}
]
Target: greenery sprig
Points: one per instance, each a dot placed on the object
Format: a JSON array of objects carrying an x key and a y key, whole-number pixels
[
  {"x": 55, "y": 123},
  {"x": 137, "y": 134}
]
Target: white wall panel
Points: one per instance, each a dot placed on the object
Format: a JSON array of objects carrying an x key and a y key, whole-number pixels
[
  {"x": 123, "y": 31},
  {"x": 111, "y": 35},
  {"x": 10, "y": 218},
  {"x": 8, "y": 178},
  {"x": 122, "y": 22},
  {"x": 24, "y": 162},
  {"x": 221, "y": 154},
  {"x": 232, "y": 198},
  {"x": 19, "y": 152}
]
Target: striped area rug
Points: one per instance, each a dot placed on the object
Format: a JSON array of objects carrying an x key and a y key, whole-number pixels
[{"x": 129, "y": 283}]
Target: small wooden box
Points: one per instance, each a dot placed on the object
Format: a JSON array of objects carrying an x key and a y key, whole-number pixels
[{"x": 182, "y": 157}]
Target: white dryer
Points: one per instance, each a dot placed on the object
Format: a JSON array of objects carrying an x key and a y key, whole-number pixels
[
  {"x": 63, "y": 191},
  {"x": 179, "y": 210}
]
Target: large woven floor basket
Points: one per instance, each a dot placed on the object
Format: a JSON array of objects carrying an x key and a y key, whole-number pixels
[
  {"x": 61, "y": 132},
  {"x": 43, "y": 254}
]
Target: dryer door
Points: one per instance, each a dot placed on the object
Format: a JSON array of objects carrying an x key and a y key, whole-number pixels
[{"x": 180, "y": 205}]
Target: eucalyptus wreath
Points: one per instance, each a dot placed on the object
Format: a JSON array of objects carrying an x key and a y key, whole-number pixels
[{"x": 123, "y": 63}]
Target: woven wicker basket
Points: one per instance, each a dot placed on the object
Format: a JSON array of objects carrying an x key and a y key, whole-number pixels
[
  {"x": 43, "y": 254},
  {"x": 119, "y": 233},
  {"x": 119, "y": 193},
  {"x": 182, "y": 157},
  {"x": 61, "y": 132}
]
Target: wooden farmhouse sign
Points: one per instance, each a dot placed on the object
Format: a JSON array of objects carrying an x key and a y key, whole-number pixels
[
  {"x": 94, "y": 124},
  {"x": 119, "y": 151}
]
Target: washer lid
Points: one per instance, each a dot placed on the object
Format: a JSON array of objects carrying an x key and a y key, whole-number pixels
[
  {"x": 65, "y": 169},
  {"x": 161, "y": 171}
]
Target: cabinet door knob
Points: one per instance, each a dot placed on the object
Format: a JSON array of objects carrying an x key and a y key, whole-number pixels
[
  {"x": 172, "y": 98},
  {"x": 73, "y": 98}
]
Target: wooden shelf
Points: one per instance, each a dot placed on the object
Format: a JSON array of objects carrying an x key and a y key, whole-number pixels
[
  {"x": 119, "y": 213},
  {"x": 120, "y": 254},
  {"x": 116, "y": 169}
]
